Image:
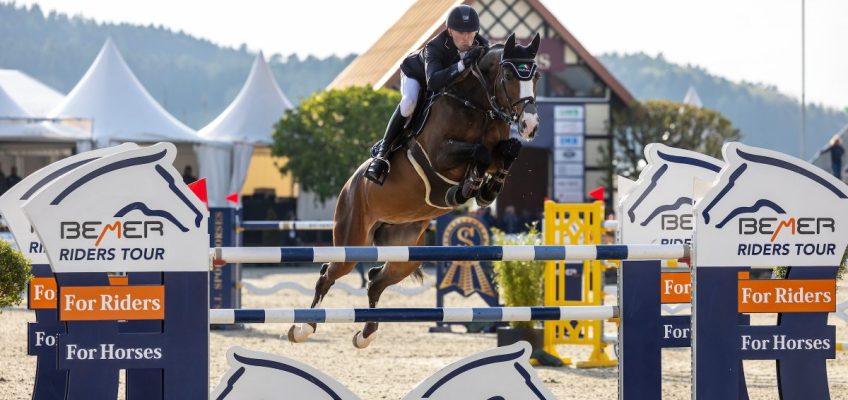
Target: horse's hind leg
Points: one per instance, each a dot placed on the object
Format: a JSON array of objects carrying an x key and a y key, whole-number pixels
[
  {"x": 391, "y": 272},
  {"x": 350, "y": 229}
]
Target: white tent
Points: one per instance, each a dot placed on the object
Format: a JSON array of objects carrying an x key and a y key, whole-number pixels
[
  {"x": 251, "y": 116},
  {"x": 29, "y": 143},
  {"x": 120, "y": 107},
  {"x": 247, "y": 122},
  {"x": 16, "y": 124},
  {"x": 692, "y": 98},
  {"x": 34, "y": 97},
  {"x": 9, "y": 108}
]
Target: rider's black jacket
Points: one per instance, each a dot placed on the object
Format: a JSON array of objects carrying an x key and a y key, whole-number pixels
[{"x": 435, "y": 66}]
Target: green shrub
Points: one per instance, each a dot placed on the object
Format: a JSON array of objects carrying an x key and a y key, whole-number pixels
[
  {"x": 521, "y": 283},
  {"x": 14, "y": 275}
]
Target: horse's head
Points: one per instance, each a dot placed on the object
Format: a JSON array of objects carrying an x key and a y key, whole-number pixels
[
  {"x": 512, "y": 69},
  {"x": 659, "y": 207},
  {"x": 766, "y": 208},
  {"x": 257, "y": 375},
  {"x": 501, "y": 373}
]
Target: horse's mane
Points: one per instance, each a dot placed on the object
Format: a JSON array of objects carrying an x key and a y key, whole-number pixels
[{"x": 492, "y": 57}]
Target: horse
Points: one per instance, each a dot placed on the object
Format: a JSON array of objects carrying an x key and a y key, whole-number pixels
[{"x": 463, "y": 151}]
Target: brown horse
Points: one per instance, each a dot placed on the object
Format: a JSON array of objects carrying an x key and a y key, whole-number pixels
[{"x": 464, "y": 151}]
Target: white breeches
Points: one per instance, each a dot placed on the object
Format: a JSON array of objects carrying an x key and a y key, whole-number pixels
[{"x": 409, "y": 89}]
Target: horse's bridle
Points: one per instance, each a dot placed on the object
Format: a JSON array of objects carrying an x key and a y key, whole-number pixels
[{"x": 524, "y": 70}]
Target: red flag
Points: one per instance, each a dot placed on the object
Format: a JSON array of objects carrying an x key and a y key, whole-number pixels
[
  {"x": 597, "y": 194},
  {"x": 233, "y": 198},
  {"x": 199, "y": 189}
]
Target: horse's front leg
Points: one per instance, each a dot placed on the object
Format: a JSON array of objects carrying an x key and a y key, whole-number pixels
[
  {"x": 476, "y": 157},
  {"x": 506, "y": 151}
]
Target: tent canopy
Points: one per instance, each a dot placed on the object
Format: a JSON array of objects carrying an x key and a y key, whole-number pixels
[
  {"x": 120, "y": 107},
  {"x": 15, "y": 125},
  {"x": 252, "y": 114},
  {"x": 9, "y": 108},
  {"x": 34, "y": 97}
]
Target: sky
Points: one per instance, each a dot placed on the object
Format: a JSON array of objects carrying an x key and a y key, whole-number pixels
[{"x": 751, "y": 40}]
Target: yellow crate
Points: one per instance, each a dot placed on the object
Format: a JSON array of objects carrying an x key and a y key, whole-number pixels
[{"x": 575, "y": 224}]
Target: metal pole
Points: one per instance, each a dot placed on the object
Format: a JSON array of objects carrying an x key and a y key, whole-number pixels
[{"x": 803, "y": 83}]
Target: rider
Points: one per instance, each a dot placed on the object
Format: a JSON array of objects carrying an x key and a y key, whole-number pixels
[{"x": 434, "y": 67}]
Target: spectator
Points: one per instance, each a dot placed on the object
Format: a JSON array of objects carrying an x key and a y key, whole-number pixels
[
  {"x": 526, "y": 220},
  {"x": 188, "y": 176},
  {"x": 2, "y": 180},
  {"x": 836, "y": 152},
  {"x": 509, "y": 222},
  {"x": 12, "y": 179},
  {"x": 487, "y": 217}
]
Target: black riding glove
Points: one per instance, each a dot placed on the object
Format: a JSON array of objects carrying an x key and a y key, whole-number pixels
[{"x": 472, "y": 56}]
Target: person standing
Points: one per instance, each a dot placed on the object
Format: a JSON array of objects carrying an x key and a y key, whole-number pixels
[
  {"x": 12, "y": 179},
  {"x": 836, "y": 152},
  {"x": 2, "y": 180}
]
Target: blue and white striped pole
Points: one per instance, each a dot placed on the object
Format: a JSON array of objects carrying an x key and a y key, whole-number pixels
[
  {"x": 350, "y": 315},
  {"x": 274, "y": 255},
  {"x": 287, "y": 225},
  {"x": 292, "y": 225}
]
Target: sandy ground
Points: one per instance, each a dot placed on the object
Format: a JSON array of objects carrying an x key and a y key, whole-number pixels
[{"x": 404, "y": 354}]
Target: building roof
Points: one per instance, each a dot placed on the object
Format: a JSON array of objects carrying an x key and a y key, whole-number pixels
[
  {"x": 381, "y": 61},
  {"x": 120, "y": 107},
  {"x": 380, "y": 64},
  {"x": 33, "y": 96},
  {"x": 250, "y": 118}
]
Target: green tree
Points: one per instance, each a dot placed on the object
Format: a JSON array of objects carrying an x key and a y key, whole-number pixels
[
  {"x": 328, "y": 135},
  {"x": 671, "y": 123},
  {"x": 14, "y": 275}
]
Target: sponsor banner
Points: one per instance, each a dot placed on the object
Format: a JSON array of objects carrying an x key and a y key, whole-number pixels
[
  {"x": 43, "y": 295},
  {"x": 658, "y": 210},
  {"x": 123, "y": 351},
  {"x": 570, "y": 112},
  {"x": 784, "y": 295},
  {"x": 568, "y": 155},
  {"x": 128, "y": 211},
  {"x": 567, "y": 127},
  {"x": 13, "y": 199},
  {"x": 676, "y": 331},
  {"x": 568, "y": 169},
  {"x": 675, "y": 287},
  {"x": 768, "y": 209},
  {"x": 568, "y": 190},
  {"x": 778, "y": 342},
  {"x": 112, "y": 303},
  {"x": 568, "y": 141}
]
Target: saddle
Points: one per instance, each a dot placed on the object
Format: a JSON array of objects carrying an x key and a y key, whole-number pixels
[{"x": 415, "y": 124}]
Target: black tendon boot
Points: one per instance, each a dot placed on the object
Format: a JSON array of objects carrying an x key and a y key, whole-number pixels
[{"x": 379, "y": 167}]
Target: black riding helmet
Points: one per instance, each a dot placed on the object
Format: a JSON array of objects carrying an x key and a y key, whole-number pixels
[{"x": 463, "y": 18}]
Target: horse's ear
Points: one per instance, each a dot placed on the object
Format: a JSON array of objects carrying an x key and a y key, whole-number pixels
[
  {"x": 534, "y": 45},
  {"x": 510, "y": 42}
]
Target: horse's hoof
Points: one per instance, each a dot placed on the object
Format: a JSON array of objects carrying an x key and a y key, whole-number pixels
[
  {"x": 300, "y": 332},
  {"x": 361, "y": 342}
]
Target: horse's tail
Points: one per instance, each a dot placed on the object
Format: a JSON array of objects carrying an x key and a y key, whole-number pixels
[{"x": 417, "y": 276}]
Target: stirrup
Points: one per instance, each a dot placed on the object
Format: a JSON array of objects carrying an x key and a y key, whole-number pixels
[{"x": 373, "y": 176}]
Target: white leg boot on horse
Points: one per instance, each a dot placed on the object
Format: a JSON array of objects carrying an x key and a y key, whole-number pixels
[
  {"x": 350, "y": 229},
  {"x": 391, "y": 272}
]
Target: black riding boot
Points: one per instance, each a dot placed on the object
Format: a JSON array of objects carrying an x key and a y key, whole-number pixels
[{"x": 379, "y": 167}]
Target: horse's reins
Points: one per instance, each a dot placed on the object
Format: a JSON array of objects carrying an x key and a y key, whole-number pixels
[{"x": 495, "y": 111}]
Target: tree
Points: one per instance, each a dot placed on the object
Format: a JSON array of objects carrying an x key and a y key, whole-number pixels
[
  {"x": 328, "y": 135},
  {"x": 14, "y": 275},
  {"x": 671, "y": 123}
]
